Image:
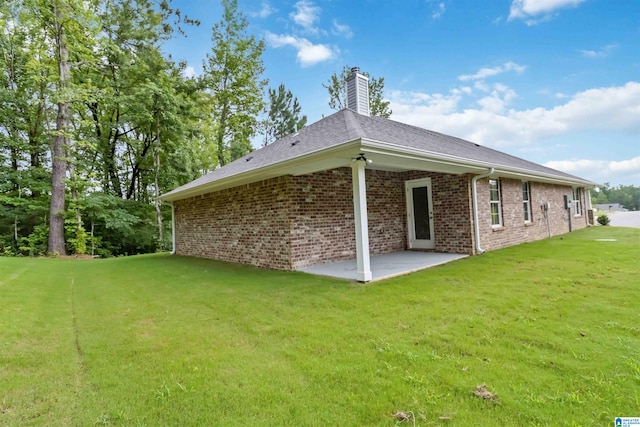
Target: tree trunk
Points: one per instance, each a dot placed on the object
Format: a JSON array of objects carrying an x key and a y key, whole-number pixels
[
  {"x": 56, "y": 210},
  {"x": 220, "y": 135},
  {"x": 58, "y": 155},
  {"x": 156, "y": 201}
]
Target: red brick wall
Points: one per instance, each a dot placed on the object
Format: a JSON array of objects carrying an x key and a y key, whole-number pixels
[
  {"x": 296, "y": 221},
  {"x": 322, "y": 226},
  {"x": 247, "y": 224},
  {"x": 452, "y": 214},
  {"x": 514, "y": 229},
  {"x": 322, "y": 214},
  {"x": 386, "y": 209},
  {"x": 321, "y": 217}
]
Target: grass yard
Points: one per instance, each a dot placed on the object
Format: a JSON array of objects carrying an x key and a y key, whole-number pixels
[{"x": 552, "y": 328}]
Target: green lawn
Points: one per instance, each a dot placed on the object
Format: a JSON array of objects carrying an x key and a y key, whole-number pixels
[{"x": 553, "y": 328}]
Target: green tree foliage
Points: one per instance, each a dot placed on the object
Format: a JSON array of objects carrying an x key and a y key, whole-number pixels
[
  {"x": 336, "y": 86},
  {"x": 25, "y": 178},
  {"x": 96, "y": 121},
  {"x": 283, "y": 115},
  {"x": 625, "y": 195},
  {"x": 232, "y": 77},
  {"x": 89, "y": 79}
]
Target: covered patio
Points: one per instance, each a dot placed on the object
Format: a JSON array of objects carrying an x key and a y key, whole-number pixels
[{"x": 384, "y": 266}]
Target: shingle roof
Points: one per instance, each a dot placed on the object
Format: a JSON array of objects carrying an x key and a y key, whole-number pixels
[
  {"x": 398, "y": 133},
  {"x": 346, "y": 126}
]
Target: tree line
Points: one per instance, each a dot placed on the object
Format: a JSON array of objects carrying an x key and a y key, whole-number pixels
[
  {"x": 96, "y": 121},
  {"x": 625, "y": 195}
]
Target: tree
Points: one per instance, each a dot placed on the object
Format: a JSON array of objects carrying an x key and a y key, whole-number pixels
[
  {"x": 336, "y": 86},
  {"x": 95, "y": 121},
  {"x": 283, "y": 115},
  {"x": 625, "y": 195},
  {"x": 232, "y": 73},
  {"x": 59, "y": 146},
  {"x": 24, "y": 179}
]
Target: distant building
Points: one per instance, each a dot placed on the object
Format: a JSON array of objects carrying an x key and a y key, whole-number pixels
[{"x": 612, "y": 207}]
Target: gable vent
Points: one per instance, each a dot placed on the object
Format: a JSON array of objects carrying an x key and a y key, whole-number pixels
[{"x": 358, "y": 92}]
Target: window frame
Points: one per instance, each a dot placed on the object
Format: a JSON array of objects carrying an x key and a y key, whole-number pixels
[
  {"x": 494, "y": 184},
  {"x": 576, "y": 201},
  {"x": 526, "y": 202}
]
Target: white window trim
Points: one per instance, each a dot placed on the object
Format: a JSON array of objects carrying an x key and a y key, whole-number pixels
[
  {"x": 577, "y": 205},
  {"x": 497, "y": 202},
  {"x": 527, "y": 202}
]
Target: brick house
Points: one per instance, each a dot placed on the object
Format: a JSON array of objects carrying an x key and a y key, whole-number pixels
[{"x": 352, "y": 185}]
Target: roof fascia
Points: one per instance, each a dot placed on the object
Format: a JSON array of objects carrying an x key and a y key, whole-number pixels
[
  {"x": 413, "y": 153},
  {"x": 396, "y": 150},
  {"x": 541, "y": 177}
]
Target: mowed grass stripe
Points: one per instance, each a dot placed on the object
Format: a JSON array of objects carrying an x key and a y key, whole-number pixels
[
  {"x": 10, "y": 276},
  {"x": 550, "y": 327},
  {"x": 37, "y": 360}
]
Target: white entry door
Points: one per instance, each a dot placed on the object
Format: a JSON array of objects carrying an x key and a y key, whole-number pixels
[{"x": 420, "y": 214}]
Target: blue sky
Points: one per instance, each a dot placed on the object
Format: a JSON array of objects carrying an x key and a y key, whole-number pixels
[{"x": 553, "y": 81}]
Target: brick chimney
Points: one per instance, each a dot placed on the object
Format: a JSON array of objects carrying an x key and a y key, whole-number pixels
[{"x": 358, "y": 92}]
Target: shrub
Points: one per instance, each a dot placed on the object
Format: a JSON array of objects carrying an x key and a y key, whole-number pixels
[
  {"x": 36, "y": 243},
  {"x": 604, "y": 219}
]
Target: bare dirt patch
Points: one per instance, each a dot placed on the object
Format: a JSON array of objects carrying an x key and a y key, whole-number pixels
[{"x": 482, "y": 392}]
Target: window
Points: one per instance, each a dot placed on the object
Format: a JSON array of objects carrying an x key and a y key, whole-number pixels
[
  {"x": 577, "y": 208},
  {"x": 496, "y": 209},
  {"x": 526, "y": 201}
]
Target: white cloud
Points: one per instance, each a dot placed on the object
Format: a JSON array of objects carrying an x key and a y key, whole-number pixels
[
  {"x": 415, "y": 104},
  {"x": 308, "y": 53},
  {"x": 189, "y": 72},
  {"x": 536, "y": 11},
  {"x": 631, "y": 165},
  {"x": 439, "y": 11},
  {"x": 264, "y": 11},
  {"x": 483, "y": 73},
  {"x": 604, "y": 170},
  {"x": 306, "y": 15},
  {"x": 605, "y": 166},
  {"x": 602, "y": 53},
  {"x": 492, "y": 123},
  {"x": 339, "y": 29},
  {"x": 499, "y": 98}
]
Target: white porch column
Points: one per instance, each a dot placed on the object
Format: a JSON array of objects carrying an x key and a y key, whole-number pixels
[
  {"x": 361, "y": 220},
  {"x": 173, "y": 229}
]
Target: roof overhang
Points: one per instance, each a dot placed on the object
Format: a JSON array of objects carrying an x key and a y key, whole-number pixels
[
  {"x": 382, "y": 156},
  {"x": 451, "y": 164}
]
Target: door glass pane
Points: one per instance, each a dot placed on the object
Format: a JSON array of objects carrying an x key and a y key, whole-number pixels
[{"x": 421, "y": 213}]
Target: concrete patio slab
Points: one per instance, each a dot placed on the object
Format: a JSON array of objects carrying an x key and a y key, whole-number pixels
[{"x": 385, "y": 265}]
